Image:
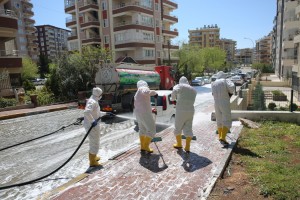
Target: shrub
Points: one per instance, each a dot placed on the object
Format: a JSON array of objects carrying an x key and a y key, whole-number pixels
[
  {"x": 278, "y": 93},
  {"x": 28, "y": 85},
  {"x": 7, "y": 102},
  {"x": 44, "y": 96},
  {"x": 259, "y": 98},
  {"x": 294, "y": 107},
  {"x": 271, "y": 106}
]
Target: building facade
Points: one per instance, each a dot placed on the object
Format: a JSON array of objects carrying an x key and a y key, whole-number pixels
[
  {"x": 229, "y": 46},
  {"x": 286, "y": 27},
  {"x": 16, "y": 38},
  {"x": 206, "y": 36},
  {"x": 244, "y": 56},
  {"x": 51, "y": 40},
  {"x": 264, "y": 50},
  {"x": 139, "y": 29}
]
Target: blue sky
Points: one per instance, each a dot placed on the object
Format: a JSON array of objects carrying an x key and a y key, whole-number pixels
[{"x": 237, "y": 19}]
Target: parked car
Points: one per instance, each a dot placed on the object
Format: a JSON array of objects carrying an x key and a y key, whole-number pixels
[
  {"x": 213, "y": 78},
  {"x": 165, "y": 108},
  {"x": 198, "y": 81},
  {"x": 207, "y": 79},
  {"x": 237, "y": 80},
  {"x": 39, "y": 81}
]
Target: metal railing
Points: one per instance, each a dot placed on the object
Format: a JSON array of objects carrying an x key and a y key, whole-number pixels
[{"x": 7, "y": 53}]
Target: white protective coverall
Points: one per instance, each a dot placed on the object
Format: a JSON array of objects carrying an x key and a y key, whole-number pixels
[
  {"x": 143, "y": 110},
  {"x": 221, "y": 88},
  {"x": 185, "y": 96},
  {"x": 92, "y": 113}
]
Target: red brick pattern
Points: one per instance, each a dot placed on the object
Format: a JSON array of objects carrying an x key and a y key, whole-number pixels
[{"x": 170, "y": 175}]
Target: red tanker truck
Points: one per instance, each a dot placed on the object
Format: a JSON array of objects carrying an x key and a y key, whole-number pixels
[{"x": 118, "y": 83}]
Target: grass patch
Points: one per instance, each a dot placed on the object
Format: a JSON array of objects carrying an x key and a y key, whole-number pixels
[{"x": 272, "y": 158}]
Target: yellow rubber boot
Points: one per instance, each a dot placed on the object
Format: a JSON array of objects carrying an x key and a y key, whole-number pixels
[
  {"x": 178, "y": 145},
  {"x": 223, "y": 135},
  {"x": 220, "y": 132},
  {"x": 187, "y": 144},
  {"x": 98, "y": 158},
  {"x": 142, "y": 142},
  {"x": 93, "y": 161},
  {"x": 147, "y": 141}
]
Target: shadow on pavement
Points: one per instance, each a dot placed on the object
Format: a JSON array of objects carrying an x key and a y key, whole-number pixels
[
  {"x": 151, "y": 162},
  {"x": 192, "y": 161},
  {"x": 91, "y": 170}
]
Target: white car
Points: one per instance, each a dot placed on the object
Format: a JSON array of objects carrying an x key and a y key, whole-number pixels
[
  {"x": 198, "y": 81},
  {"x": 165, "y": 108},
  {"x": 237, "y": 80}
]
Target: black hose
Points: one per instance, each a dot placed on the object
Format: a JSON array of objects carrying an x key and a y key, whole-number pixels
[
  {"x": 79, "y": 120},
  {"x": 37, "y": 179}
]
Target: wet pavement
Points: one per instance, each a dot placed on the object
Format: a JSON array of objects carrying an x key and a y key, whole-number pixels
[{"x": 165, "y": 174}]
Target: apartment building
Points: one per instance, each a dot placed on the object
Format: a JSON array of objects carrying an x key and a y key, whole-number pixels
[
  {"x": 141, "y": 29},
  {"x": 244, "y": 56},
  {"x": 51, "y": 40},
  {"x": 286, "y": 26},
  {"x": 16, "y": 40},
  {"x": 229, "y": 46},
  {"x": 264, "y": 49},
  {"x": 206, "y": 36}
]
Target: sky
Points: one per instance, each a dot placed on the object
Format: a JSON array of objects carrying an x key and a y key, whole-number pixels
[{"x": 244, "y": 21}]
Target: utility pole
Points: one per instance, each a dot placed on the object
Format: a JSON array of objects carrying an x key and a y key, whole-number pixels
[{"x": 169, "y": 53}]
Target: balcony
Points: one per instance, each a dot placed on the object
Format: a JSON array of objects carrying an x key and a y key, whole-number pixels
[
  {"x": 86, "y": 6},
  {"x": 130, "y": 25},
  {"x": 72, "y": 36},
  {"x": 90, "y": 22},
  {"x": 92, "y": 39},
  {"x": 170, "y": 4},
  {"x": 170, "y": 18},
  {"x": 27, "y": 3},
  {"x": 10, "y": 59},
  {"x": 70, "y": 6},
  {"x": 9, "y": 21},
  {"x": 172, "y": 33},
  {"x": 128, "y": 8},
  {"x": 71, "y": 22},
  {"x": 166, "y": 46},
  {"x": 30, "y": 28}
]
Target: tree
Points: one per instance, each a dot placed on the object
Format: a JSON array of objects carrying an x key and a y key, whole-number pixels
[
  {"x": 43, "y": 65},
  {"x": 213, "y": 59},
  {"x": 76, "y": 72},
  {"x": 29, "y": 69},
  {"x": 259, "y": 102},
  {"x": 189, "y": 60}
]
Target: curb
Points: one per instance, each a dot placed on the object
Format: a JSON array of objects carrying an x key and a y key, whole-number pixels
[{"x": 28, "y": 113}]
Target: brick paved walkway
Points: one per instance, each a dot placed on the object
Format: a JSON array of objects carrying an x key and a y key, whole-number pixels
[{"x": 166, "y": 174}]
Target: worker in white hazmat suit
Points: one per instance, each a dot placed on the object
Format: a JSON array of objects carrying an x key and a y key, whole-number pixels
[
  {"x": 222, "y": 90},
  {"x": 91, "y": 114},
  {"x": 185, "y": 96},
  {"x": 143, "y": 113}
]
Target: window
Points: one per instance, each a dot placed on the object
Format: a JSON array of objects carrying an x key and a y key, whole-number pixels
[
  {"x": 158, "y": 54},
  {"x": 156, "y": 6},
  {"x": 106, "y": 39},
  {"x": 104, "y": 5},
  {"x": 148, "y": 53},
  {"x": 148, "y": 36},
  {"x": 105, "y": 23},
  {"x": 146, "y": 3}
]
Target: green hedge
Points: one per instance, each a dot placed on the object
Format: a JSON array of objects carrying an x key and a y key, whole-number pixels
[{"x": 7, "y": 102}]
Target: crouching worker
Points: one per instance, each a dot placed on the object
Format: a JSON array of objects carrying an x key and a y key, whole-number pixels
[
  {"x": 143, "y": 113},
  {"x": 222, "y": 89},
  {"x": 91, "y": 114},
  {"x": 185, "y": 96}
]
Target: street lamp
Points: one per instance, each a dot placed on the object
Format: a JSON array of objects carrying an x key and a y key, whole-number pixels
[{"x": 252, "y": 48}]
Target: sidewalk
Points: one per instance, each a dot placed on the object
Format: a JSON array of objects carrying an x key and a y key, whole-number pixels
[
  {"x": 37, "y": 110},
  {"x": 166, "y": 174}
]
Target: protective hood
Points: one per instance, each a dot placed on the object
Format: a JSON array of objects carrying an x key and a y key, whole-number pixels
[
  {"x": 183, "y": 80},
  {"x": 97, "y": 92},
  {"x": 141, "y": 83},
  {"x": 220, "y": 74}
]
